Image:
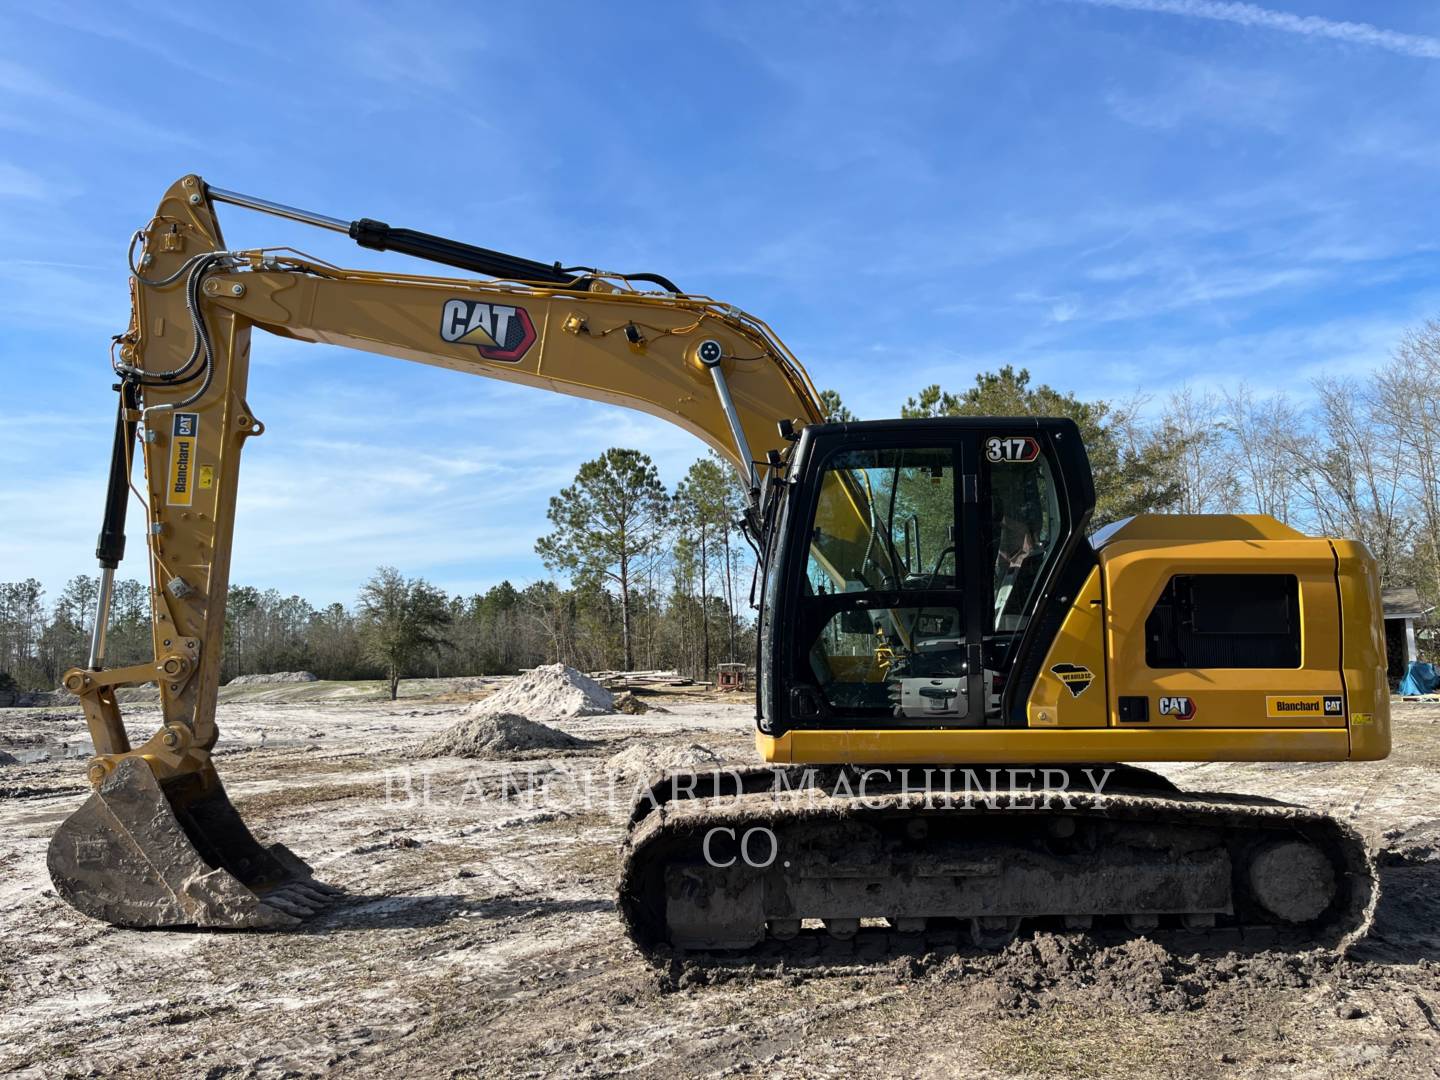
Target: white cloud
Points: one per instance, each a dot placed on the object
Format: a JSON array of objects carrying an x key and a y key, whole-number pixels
[
  {"x": 1285, "y": 357},
  {"x": 1354, "y": 33},
  {"x": 30, "y": 92},
  {"x": 16, "y": 182},
  {"x": 1220, "y": 95},
  {"x": 33, "y": 292},
  {"x": 1062, "y": 311}
]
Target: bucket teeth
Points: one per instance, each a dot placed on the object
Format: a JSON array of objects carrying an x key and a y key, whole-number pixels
[
  {"x": 302, "y": 898},
  {"x": 273, "y": 918},
  {"x": 305, "y": 892},
  {"x": 288, "y": 904}
]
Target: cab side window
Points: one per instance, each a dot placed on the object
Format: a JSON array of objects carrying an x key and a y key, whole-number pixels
[{"x": 1026, "y": 528}]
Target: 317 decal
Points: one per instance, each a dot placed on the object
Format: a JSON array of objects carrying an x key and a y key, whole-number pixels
[{"x": 1007, "y": 448}]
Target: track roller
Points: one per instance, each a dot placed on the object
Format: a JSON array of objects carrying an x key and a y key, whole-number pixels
[{"x": 993, "y": 932}]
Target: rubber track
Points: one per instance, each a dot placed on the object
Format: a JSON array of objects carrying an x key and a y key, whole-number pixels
[{"x": 663, "y": 825}]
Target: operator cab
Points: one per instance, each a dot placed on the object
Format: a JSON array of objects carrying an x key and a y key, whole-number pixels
[{"x": 911, "y": 568}]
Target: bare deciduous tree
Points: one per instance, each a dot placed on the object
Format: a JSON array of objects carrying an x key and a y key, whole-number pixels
[
  {"x": 1407, "y": 394},
  {"x": 1260, "y": 431},
  {"x": 1348, "y": 474},
  {"x": 1207, "y": 475}
]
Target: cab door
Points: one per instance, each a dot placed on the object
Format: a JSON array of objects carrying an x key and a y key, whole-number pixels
[
  {"x": 885, "y": 613},
  {"x": 924, "y": 565}
]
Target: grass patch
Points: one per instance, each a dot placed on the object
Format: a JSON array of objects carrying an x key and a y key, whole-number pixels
[
  {"x": 1065, "y": 1041},
  {"x": 298, "y": 796}
]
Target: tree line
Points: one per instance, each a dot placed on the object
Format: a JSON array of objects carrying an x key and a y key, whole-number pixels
[
  {"x": 652, "y": 578},
  {"x": 1359, "y": 459}
]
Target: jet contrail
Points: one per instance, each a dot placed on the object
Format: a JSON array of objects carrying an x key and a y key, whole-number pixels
[{"x": 1242, "y": 14}]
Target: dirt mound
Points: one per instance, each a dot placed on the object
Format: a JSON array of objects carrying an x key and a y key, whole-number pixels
[
  {"x": 551, "y": 690},
  {"x": 1411, "y": 845},
  {"x": 497, "y": 735},
  {"x": 1140, "y": 975},
  {"x": 29, "y": 699},
  {"x": 1046, "y": 970},
  {"x": 634, "y": 706},
  {"x": 274, "y": 677},
  {"x": 646, "y": 761}
]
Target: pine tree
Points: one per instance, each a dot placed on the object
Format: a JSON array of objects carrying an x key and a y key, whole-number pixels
[{"x": 607, "y": 524}]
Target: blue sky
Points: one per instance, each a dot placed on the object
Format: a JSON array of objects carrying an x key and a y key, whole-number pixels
[{"x": 1123, "y": 196}]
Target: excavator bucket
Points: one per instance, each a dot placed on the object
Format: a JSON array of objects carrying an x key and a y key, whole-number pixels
[{"x": 144, "y": 854}]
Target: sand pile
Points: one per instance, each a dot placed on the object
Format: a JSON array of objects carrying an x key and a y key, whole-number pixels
[
  {"x": 496, "y": 735},
  {"x": 645, "y": 761},
  {"x": 551, "y": 690},
  {"x": 274, "y": 677},
  {"x": 499, "y": 726}
]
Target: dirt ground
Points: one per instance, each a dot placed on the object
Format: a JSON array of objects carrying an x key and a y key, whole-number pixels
[{"x": 479, "y": 936}]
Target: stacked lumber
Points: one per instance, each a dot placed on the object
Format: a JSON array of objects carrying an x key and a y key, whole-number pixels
[{"x": 624, "y": 680}]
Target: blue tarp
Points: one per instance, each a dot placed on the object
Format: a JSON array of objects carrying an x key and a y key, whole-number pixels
[{"x": 1420, "y": 679}]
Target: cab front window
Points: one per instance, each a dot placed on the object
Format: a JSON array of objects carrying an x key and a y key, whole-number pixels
[{"x": 881, "y": 589}]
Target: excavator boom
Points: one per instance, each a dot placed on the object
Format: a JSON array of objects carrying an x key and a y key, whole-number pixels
[{"x": 159, "y": 842}]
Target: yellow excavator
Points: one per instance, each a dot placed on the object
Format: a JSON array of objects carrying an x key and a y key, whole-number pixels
[{"x": 951, "y": 667}]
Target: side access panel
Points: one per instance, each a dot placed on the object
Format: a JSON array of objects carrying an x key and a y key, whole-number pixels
[
  {"x": 1366, "y": 684},
  {"x": 1224, "y": 692}
]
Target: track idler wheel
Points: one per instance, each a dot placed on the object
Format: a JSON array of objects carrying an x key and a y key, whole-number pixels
[
  {"x": 1293, "y": 880},
  {"x": 142, "y": 854}
]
